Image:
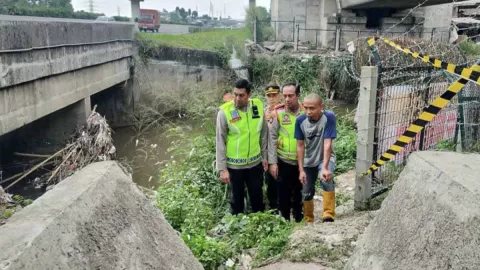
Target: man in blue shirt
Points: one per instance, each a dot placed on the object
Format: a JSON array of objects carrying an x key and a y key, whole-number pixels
[{"x": 315, "y": 132}]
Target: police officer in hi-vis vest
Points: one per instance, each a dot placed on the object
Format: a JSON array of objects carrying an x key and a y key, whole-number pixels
[
  {"x": 282, "y": 153},
  {"x": 241, "y": 147},
  {"x": 272, "y": 95}
]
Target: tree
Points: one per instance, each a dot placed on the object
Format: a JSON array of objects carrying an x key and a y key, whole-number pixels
[
  {"x": 189, "y": 12},
  {"x": 183, "y": 13},
  {"x": 195, "y": 14},
  {"x": 175, "y": 17},
  {"x": 177, "y": 9},
  {"x": 264, "y": 30}
]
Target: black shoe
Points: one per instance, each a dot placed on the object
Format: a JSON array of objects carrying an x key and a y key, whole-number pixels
[{"x": 328, "y": 219}]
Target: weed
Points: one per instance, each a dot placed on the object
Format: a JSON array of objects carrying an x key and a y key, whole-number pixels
[
  {"x": 21, "y": 200},
  {"x": 205, "y": 40},
  {"x": 327, "y": 76},
  {"x": 341, "y": 198},
  {"x": 445, "y": 146},
  {"x": 345, "y": 146},
  {"x": 7, "y": 213}
]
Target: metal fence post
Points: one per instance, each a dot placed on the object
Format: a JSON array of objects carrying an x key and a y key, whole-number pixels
[
  {"x": 337, "y": 38},
  {"x": 293, "y": 29},
  {"x": 296, "y": 38},
  {"x": 255, "y": 30},
  {"x": 276, "y": 34},
  {"x": 365, "y": 137}
]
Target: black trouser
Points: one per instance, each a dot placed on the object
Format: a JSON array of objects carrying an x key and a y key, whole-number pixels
[
  {"x": 272, "y": 191},
  {"x": 289, "y": 191},
  {"x": 253, "y": 179}
]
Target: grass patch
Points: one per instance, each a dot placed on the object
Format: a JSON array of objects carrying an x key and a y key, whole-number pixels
[
  {"x": 195, "y": 203},
  {"x": 205, "y": 40}
]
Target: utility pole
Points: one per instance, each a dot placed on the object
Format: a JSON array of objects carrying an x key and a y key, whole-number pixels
[
  {"x": 91, "y": 6},
  {"x": 251, "y": 3}
]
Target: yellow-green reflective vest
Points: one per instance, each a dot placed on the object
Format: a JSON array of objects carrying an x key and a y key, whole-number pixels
[
  {"x": 244, "y": 132},
  {"x": 286, "y": 143}
]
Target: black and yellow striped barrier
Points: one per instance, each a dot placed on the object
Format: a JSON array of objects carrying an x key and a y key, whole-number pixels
[
  {"x": 425, "y": 117},
  {"x": 466, "y": 73}
]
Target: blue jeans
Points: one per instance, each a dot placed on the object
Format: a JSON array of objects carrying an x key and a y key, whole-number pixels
[{"x": 312, "y": 174}]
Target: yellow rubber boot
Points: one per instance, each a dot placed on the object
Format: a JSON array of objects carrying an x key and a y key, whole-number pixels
[
  {"x": 308, "y": 211},
  {"x": 328, "y": 206}
]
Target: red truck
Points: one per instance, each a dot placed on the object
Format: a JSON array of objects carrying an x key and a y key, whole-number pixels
[{"x": 149, "y": 20}]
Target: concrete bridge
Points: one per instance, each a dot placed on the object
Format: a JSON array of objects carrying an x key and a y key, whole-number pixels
[{"x": 48, "y": 64}]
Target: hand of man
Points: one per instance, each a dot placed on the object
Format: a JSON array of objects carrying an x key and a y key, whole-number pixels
[
  {"x": 265, "y": 165},
  {"x": 225, "y": 176},
  {"x": 326, "y": 175},
  {"x": 303, "y": 178},
  {"x": 274, "y": 170}
]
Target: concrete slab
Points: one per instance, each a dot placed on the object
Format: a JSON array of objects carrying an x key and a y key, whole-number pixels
[
  {"x": 430, "y": 219},
  {"x": 95, "y": 219}
]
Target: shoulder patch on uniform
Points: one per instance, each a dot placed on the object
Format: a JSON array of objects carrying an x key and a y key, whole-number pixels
[
  {"x": 235, "y": 116},
  {"x": 286, "y": 119}
]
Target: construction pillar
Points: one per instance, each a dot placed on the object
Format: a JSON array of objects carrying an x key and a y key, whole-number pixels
[
  {"x": 365, "y": 136},
  {"x": 135, "y": 8}
]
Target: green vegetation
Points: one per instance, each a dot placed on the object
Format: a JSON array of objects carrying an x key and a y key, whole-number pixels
[
  {"x": 470, "y": 49},
  {"x": 21, "y": 200},
  {"x": 205, "y": 40},
  {"x": 6, "y": 213},
  {"x": 262, "y": 17},
  {"x": 44, "y": 8},
  {"x": 345, "y": 146},
  {"x": 445, "y": 146},
  {"x": 195, "y": 203},
  {"x": 327, "y": 76}
]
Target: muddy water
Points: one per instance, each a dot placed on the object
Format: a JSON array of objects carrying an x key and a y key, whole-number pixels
[{"x": 148, "y": 153}]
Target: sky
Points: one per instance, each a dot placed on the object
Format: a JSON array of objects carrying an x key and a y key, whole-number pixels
[{"x": 233, "y": 8}]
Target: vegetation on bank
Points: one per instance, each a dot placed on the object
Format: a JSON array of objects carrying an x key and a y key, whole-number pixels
[
  {"x": 195, "y": 202},
  {"x": 204, "y": 40},
  {"x": 190, "y": 195},
  {"x": 326, "y": 75},
  {"x": 45, "y": 8}
]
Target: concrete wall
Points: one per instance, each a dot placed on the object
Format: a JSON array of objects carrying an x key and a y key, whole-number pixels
[
  {"x": 438, "y": 20},
  {"x": 173, "y": 70},
  {"x": 288, "y": 10},
  {"x": 47, "y": 64},
  {"x": 176, "y": 29},
  {"x": 95, "y": 219},
  {"x": 397, "y": 4},
  {"x": 321, "y": 20}
]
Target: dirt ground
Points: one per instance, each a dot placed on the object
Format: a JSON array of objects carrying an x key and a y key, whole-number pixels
[{"x": 327, "y": 245}]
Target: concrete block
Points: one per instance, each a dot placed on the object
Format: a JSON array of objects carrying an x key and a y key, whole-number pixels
[
  {"x": 430, "y": 219},
  {"x": 95, "y": 219}
]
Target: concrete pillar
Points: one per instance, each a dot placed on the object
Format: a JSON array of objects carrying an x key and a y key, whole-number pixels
[
  {"x": 438, "y": 17},
  {"x": 117, "y": 103},
  {"x": 365, "y": 137},
  {"x": 135, "y": 8},
  {"x": 327, "y": 9},
  {"x": 83, "y": 109}
]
